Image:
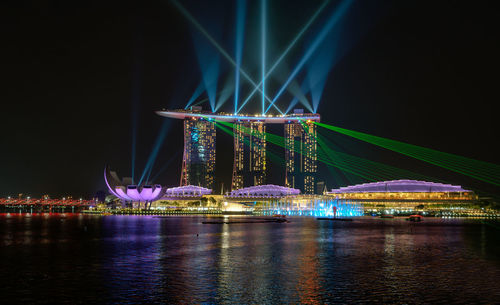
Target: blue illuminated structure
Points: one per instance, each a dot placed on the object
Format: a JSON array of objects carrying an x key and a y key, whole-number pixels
[{"x": 313, "y": 207}]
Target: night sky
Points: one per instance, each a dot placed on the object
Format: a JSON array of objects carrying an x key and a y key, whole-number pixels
[{"x": 75, "y": 75}]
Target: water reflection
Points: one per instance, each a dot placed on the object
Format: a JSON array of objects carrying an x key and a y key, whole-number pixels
[
  {"x": 123, "y": 259},
  {"x": 308, "y": 286}
]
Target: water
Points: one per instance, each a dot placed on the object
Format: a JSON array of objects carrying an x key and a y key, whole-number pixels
[
  {"x": 316, "y": 208},
  {"x": 140, "y": 259}
]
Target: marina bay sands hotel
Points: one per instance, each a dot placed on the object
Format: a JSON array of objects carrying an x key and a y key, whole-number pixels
[{"x": 249, "y": 132}]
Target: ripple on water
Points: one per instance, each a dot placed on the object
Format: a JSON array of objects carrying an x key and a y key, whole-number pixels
[{"x": 127, "y": 259}]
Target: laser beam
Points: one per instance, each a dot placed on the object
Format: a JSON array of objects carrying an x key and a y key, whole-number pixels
[
  {"x": 240, "y": 33},
  {"x": 156, "y": 148},
  {"x": 263, "y": 50},
  {"x": 219, "y": 48},
  {"x": 288, "y": 48},
  {"x": 346, "y": 163},
  {"x": 197, "y": 92},
  {"x": 334, "y": 18},
  {"x": 480, "y": 170}
]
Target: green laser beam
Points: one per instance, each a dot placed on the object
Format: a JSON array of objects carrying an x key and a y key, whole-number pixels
[
  {"x": 484, "y": 171},
  {"x": 367, "y": 169},
  {"x": 271, "y": 155}
]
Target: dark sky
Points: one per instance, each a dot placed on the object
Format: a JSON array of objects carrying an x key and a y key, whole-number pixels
[{"x": 75, "y": 74}]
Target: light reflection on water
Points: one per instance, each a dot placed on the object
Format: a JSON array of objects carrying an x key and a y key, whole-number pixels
[{"x": 141, "y": 259}]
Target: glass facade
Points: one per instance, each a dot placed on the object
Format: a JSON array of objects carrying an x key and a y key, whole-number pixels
[
  {"x": 198, "y": 162},
  {"x": 301, "y": 156},
  {"x": 249, "y": 167}
]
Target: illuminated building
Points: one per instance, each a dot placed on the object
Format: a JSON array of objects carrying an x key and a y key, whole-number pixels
[
  {"x": 267, "y": 191},
  {"x": 198, "y": 162},
  {"x": 407, "y": 194},
  {"x": 403, "y": 190},
  {"x": 186, "y": 191},
  {"x": 301, "y": 155},
  {"x": 249, "y": 164},
  {"x": 131, "y": 192}
]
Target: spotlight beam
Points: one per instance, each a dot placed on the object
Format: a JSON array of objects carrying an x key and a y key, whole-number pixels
[
  {"x": 263, "y": 51},
  {"x": 156, "y": 148},
  {"x": 218, "y": 47},
  {"x": 335, "y": 17},
  {"x": 196, "y": 94},
  {"x": 166, "y": 165},
  {"x": 134, "y": 143},
  {"x": 240, "y": 31},
  {"x": 288, "y": 48}
]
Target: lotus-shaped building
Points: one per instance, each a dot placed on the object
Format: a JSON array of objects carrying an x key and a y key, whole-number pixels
[{"x": 130, "y": 192}]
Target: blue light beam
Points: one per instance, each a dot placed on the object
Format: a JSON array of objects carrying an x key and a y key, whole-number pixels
[
  {"x": 303, "y": 90},
  {"x": 334, "y": 18},
  {"x": 137, "y": 72},
  {"x": 224, "y": 94},
  {"x": 166, "y": 165},
  {"x": 263, "y": 29},
  {"x": 156, "y": 148},
  {"x": 197, "y": 92},
  {"x": 240, "y": 33},
  {"x": 209, "y": 63},
  {"x": 299, "y": 92},
  {"x": 218, "y": 47},
  {"x": 319, "y": 67},
  {"x": 288, "y": 48},
  {"x": 292, "y": 104}
]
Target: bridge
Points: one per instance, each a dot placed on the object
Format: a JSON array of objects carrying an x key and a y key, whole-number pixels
[{"x": 24, "y": 205}]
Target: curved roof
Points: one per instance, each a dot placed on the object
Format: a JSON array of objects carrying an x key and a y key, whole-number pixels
[
  {"x": 187, "y": 190},
  {"x": 268, "y": 190},
  {"x": 394, "y": 186},
  {"x": 229, "y": 117}
]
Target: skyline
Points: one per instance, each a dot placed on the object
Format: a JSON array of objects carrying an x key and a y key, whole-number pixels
[{"x": 62, "y": 100}]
